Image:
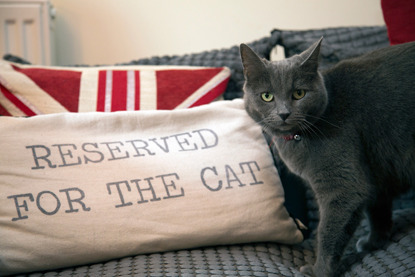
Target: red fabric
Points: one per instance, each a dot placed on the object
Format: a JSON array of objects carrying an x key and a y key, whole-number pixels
[
  {"x": 119, "y": 91},
  {"x": 185, "y": 82},
  {"x": 3, "y": 111},
  {"x": 55, "y": 82},
  {"x": 399, "y": 16},
  {"x": 216, "y": 91},
  {"x": 16, "y": 101},
  {"x": 102, "y": 78},
  {"x": 137, "y": 90},
  {"x": 108, "y": 90}
]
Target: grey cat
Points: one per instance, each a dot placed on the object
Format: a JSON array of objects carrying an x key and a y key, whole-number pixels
[{"x": 349, "y": 132}]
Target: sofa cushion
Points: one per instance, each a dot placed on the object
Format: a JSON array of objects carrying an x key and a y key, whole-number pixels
[
  {"x": 78, "y": 188},
  {"x": 30, "y": 90}
]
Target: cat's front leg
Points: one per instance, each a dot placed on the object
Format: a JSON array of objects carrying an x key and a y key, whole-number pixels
[
  {"x": 379, "y": 214},
  {"x": 340, "y": 214}
]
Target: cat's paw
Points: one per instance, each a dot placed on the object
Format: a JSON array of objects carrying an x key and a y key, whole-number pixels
[
  {"x": 362, "y": 245},
  {"x": 366, "y": 244},
  {"x": 307, "y": 270}
]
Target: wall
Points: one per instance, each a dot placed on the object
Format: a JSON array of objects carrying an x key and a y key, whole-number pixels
[{"x": 111, "y": 31}]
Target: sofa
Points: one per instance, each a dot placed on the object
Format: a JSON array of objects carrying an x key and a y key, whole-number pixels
[{"x": 396, "y": 258}]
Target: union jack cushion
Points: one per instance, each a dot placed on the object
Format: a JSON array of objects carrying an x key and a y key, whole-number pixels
[{"x": 27, "y": 90}]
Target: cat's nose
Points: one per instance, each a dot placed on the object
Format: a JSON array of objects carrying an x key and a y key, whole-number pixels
[{"x": 284, "y": 116}]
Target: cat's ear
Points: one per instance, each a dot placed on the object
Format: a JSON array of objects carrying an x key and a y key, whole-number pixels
[
  {"x": 252, "y": 63},
  {"x": 311, "y": 57}
]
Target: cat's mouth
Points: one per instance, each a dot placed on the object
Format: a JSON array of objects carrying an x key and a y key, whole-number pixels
[{"x": 282, "y": 129}]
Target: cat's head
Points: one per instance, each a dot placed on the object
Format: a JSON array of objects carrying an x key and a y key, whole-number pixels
[{"x": 286, "y": 96}]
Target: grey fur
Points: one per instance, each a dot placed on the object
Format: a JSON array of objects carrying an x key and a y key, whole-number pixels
[{"x": 357, "y": 128}]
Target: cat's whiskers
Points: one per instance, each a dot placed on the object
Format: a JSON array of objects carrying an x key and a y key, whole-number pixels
[
  {"x": 312, "y": 129},
  {"x": 324, "y": 120},
  {"x": 305, "y": 126},
  {"x": 308, "y": 127},
  {"x": 264, "y": 123},
  {"x": 268, "y": 121}
]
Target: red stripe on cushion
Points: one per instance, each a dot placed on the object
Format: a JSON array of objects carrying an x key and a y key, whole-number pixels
[
  {"x": 174, "y": 86},
  {"x": 3, "y": 111},
  {"x": 119, "y": 90},
  {"x": 19, "y": 104},
  {"x": 137, "y": 90},
  {"x": 62, "y": 85},
  {"x": 212, "y": 95},
  {"x": 102, "y": 82}
]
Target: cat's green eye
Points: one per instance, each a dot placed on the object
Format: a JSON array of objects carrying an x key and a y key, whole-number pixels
[
  {"x": 267, "y": 97},
  {"x": 298, "y": 94}
]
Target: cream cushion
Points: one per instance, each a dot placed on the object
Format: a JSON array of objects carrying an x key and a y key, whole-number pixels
[{"x": 79, "y": 188}]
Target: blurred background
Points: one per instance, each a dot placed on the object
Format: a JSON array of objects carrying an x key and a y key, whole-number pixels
[{"x": 92, "y": 32}]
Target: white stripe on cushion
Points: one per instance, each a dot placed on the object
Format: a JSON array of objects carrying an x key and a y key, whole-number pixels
[{"x": 148, "y": 90}]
